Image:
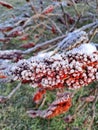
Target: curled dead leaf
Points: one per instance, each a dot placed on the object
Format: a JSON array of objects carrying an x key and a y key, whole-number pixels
[
  {"x": 88, "y": 99},
  {"x": 69, "y": 119}
]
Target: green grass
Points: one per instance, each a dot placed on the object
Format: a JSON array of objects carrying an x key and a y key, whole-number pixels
[{"x": 13, "y": 114}]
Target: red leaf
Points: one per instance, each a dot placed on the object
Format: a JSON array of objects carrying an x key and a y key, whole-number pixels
[
  {"x": 7, "y": 5},
  {"x": 53, "y": 30},
  {"x": 28, "y": 45},
  {"x": 70, "y": 19},
  {"x": 24, "y": 37},
  {"x": 15, "y": 32},
  {"x": 49, "y": 9},
  {"x": 4, "y": 39},
  {"x": 6, "y": 29},
  {"x": 39, "y": 95}
]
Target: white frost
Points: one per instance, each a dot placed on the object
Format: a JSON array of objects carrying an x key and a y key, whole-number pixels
[{"x": 85, "y": 48}]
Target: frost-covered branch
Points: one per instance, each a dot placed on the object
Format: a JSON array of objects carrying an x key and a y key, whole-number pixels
[{"x": 77, "y": 68}]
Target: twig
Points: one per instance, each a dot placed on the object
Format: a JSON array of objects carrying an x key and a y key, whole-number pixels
[
  {"x": 16, "y": 54},
  {"x": 49, "y": 49},
  {"x": 75, "y": 7},
  {"x": 32, "y": 7},
  {"x": 13, "y": 91},
  {"x": 96, "y": 6},
  {"x": 93, "y": 33},
  {"x": 52, "y": 42},
  {"x": 54, "y": 24},
  {"x": 65, "y": 17},
  {"x": 82, "y": 105},
  {"x": 73, "y": 27},
  {"x": 45, "y": 44},
  {"x": 57, "y": 28},
  {"x": 89, "y": 26},
  {"x": 3, "y": 99},
  {"x": 93, "y": 110},
  {"x": 43, "y": 102},
  {"x": 79, "y": 109},
  {"x": 41, "y": 4}
]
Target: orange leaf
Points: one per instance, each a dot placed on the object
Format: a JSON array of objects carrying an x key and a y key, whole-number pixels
[
  {"x": 61, "y": 108},
  {"x": 38, "y": 96},
  {"x": 2, "y": 76}
]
